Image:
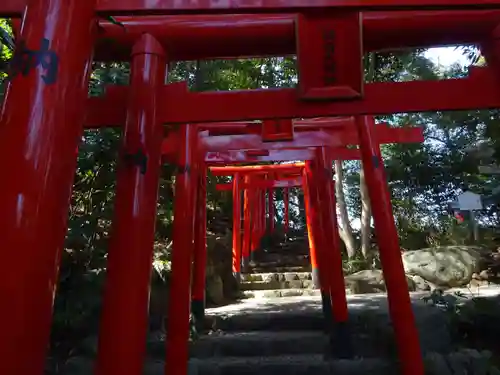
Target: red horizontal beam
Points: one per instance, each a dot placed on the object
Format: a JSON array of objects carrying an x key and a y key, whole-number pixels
[
  {"x": 228, "y": 157},
  {"x": 228, "y": 171},
  {"x": 321, "y": 138},
  {"x": 262, "y": 184},
  {"x": 234, "y": 157},
  {"x": 247, "y": 127},
  {"x": 339, "y": 153},
  {"x": 207, "y": 37},
  {"x": 479, "y": 91},
  {"x": 167, "y": 7}
]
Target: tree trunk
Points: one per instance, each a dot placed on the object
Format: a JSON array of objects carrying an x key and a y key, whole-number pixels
[
  {"x": 366, "y": 216},
  {"x": 345, "y": 229}
]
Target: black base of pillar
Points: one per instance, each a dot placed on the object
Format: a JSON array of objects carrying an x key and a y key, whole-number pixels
[
  {"x": 198, "y": 314},
  {"x": 245, "y": 264},
  {"x": 252, "y": 255},
  {"x": 315, "y": 278},
  {"x": 237, "y": 276},
  {"x": 340, "y": 342},
  {"x": 326, "y": 306},
  {"x": 339, "y": 333}
]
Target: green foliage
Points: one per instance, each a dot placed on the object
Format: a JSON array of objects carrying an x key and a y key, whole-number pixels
[
  {"x": 6, "y": 50},
  {"x": 471, "y": 319},
  {"x": 359, "y": 263}
]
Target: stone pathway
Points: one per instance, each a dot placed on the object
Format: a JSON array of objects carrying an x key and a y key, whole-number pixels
[
  {"x": 285, "y": 335},
  {"x": 280, "y": 329},
  {"x": 267, "y": 336},
  {"x": 378, "y": 300}
]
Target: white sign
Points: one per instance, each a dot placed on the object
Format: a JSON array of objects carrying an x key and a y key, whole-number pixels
[{"x": 469, "y": 201}]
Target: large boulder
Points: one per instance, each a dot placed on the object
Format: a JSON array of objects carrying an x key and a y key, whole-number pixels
[
  {"x": 446, "y": 266},
  {"x": 221, "y": 285},
  {"x": 215, "y": 290}
]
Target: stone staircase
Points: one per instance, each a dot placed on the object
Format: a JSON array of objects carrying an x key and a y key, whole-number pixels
[
  {"x": 275, "y": 274},
  {"x": 279, "y": 328},
  {"x": 286, "y": 335},
  {"x": 278, "y": 284},
  {"x": 266, "y": 335}
]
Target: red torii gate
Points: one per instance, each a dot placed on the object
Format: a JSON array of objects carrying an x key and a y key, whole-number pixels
[
  {"x": 339, "y": 337},
  {"x": 478, "y": 90},
  {"x": 264, "y": 184},
  {"x": 340, "y": 136},
  {"x": 206, "y": 37},
  {"x": 256, "y": 177},
  {"x": 208, "y": 138},
  {"x": 278, "y": 182},
  {"x": 42, "y": 120},
  {"x": 139, "y": 7}
]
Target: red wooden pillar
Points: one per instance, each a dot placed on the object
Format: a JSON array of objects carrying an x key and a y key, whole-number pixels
[
  {"x": 270, "y": 209},
  {"x": 403, "y": 320},
  {"x": 41, "y": 126},
  {"x": 200, "y": 249},
  {"x": 236, "y": 227},
  {"x": 255, "y": 221},
  {"x": 314, "y": 218},
  {"x": 286, "y": 201},
  {"x": 310, "y": 230},
  {"x": 247, "y": 226},
  {"x": 340, "y": 339},
  {"x": 262, "y": 216},
  {"x": 182, "y": 255},
  {"x": 124, "y": 322}
]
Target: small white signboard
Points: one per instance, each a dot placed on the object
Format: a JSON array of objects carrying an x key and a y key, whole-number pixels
[{"x": 469, "y": 201}]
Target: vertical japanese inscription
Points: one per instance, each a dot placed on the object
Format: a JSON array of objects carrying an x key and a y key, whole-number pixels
[
  {"x": 25, "y": 60},
  {"x": 329, "y": 70}
]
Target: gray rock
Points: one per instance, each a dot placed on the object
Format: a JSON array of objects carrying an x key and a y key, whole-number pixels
[
  {"x": 297, "y": 284},
  {"x": 215, "y": 290},
  {"x": 291, "y": 276},
  {"x": 448, "y": 266},
  {"x": 270, "y": 277},
  {"x": 420, "y": 283}
]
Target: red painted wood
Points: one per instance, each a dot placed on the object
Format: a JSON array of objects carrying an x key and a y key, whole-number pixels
[
  {"x": 480, "y": 90},
  {"x": 138, "y": 7}
]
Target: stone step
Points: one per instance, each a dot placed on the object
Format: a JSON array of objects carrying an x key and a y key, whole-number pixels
[
  {"x": 299, "y": 249},
  {"x": 273, "y": 285},
  {"x": 272, "y": 276},
  {"x": 291, "y": 364},
  {"x": 259, "y": 344},
  {"x": 271, "y": 343},
  {"x": 282, "y": 257},
  {"x": 463, "y": 361},
  {"x": 281, "y": 293},
  {"x": 368, "y": 316},
  {"x": 263, "y": 268},
  {"x": 280, "y": 263}
]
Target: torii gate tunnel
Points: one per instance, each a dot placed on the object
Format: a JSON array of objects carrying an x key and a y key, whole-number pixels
[{"x": 46, "y": 107}]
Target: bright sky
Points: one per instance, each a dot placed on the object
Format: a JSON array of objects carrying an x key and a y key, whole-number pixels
[{"x": 445, "y": 56}]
